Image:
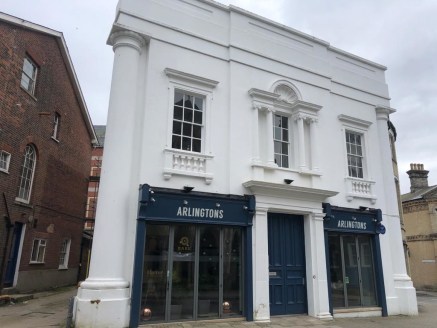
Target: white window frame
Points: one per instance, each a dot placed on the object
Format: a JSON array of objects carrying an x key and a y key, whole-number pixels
[
  {"x": 183, "y": 121},
  {"x": 41, "y": 245},
  {"x": 31, "y": 80},
  {"x": 5, "y": 159},
  {"x": 64, "y": 254},
  {"x": 197, "y": 162},
  {"x": 56, "y": 126},
  {"x": 358, "y": 187},
  {"x": 359, "y": 166},
  {"x": 281, "y": 141},
  {"x": 27, "y": 175}
]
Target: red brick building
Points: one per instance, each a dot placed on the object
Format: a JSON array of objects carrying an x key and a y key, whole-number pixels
[
  {"x": 46, "y": 138},
  {"x": 91, "y": 205}
]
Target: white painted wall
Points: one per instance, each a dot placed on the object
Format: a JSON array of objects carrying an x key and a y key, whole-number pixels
[{"x": 240, "y": 51}]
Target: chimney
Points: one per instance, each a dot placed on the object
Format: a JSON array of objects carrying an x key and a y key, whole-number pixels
[{"x": 418, "y": 177}]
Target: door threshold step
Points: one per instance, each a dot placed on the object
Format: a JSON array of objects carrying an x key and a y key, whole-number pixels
[{"x": 373, "y": 311}]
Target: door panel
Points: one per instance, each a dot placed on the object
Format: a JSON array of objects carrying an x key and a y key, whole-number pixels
[
  {"x": 155, "y": 273},
  {"x": 286, "y": 264},
  {"x": 13, "y": 255},
  {"x": 182, "y": 273}
]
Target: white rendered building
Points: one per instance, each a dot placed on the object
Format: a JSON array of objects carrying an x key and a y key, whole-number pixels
[{"x": 264, "y": 165}]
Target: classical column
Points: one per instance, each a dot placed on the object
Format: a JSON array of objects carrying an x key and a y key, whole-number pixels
[
  {"x": 317, "y": 284},
  {"x": 301, "y": 144},
  {"x": 269, "y": 137},
  {"x": 261, "y": 307},
  {"x": 314, "y": 143},
  {"x": 405, "y": 301},
  {"x": 103, "y": 300}
]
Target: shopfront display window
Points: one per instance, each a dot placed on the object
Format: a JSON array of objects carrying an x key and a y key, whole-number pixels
[
  {"x": 352, "y": 270},
  {"x": 191, "y": 272}
]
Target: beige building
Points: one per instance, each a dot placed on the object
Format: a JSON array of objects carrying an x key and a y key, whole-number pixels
[{"x": 420, "y": 217}]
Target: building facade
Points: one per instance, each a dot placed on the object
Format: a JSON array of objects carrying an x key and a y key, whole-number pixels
[
  {"x": 91, "y": 204},
  {"x": 245, "y": 187},
  {"x": 45, "y": 151},
  {"x": 420, "y": 216}
]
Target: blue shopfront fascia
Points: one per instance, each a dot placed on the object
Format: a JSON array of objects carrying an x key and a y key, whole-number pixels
[
  {"x": 178, "y": 206},
  {"x": 357, "y": 221}
]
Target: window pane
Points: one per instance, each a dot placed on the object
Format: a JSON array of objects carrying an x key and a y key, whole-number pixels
[
  {"x": 277, "y": 121},
  {"x": 177, "y": 127},
  {"x": 186, "y": 143},
  {"x": 198, "y": 104},
  {"x": 277, "y": 133},
  {"x": 187, "y": 130},
  {"x": 177, "y": 113},
  {"x": 188, "y": 115},
  {"x": 178, "y": 98},
  {"x": 188, "y": 101},
  {"x": 278, "y": 159},
  {"x": 176, "y": 142},
  {"x": 284, "y": 161},
  {"x": 277, "y": 147},
  {"x": 196, "y": 145},
  {"x": 284, "y": 148},
  {"x": 285, "y": 135},
  {"x": 285, "y": 122},
  {"x": 197, "y": 131},
  {"x": 197, "y": 117}
]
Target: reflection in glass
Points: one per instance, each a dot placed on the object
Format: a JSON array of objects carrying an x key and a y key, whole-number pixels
[
  {"x": 232, "y": 272},
  {"x": 155, "y": 274},
  {"x": 336, "y": 270},
  {"x": 182, "y": 294},
  {"x": 367, "y": 271},
  {"x": 209, "y": 272}
]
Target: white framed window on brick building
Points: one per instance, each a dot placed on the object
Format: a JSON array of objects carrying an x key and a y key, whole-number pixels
[
  {"x": 38, "y": 250},
  {"x": 188, "y": 148},
  {"x": 28, "y": 75},
  {"x": 27, "y": 174},
  {"x": 5, "y": 159},
  {"x": 56, "y": 126},
  {"x": 359, "y": 183},
  {"x": 64, "y": 254}
]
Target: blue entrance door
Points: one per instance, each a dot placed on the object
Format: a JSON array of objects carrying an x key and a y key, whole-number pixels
[
  {"x": 286, "y": 264},
  {"x": 13, "y": 255}
]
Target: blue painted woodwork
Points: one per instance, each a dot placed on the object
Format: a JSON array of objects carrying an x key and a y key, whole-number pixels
[{"x": 286, "y": 264}]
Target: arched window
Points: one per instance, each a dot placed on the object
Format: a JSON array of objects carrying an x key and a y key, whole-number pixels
[{"x": 27, "y": 173}]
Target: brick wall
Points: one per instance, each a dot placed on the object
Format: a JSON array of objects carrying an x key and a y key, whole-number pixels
[{"x": 59, "y": 193}]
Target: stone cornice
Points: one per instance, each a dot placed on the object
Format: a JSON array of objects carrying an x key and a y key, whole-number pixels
[
  {"x": 288, "y": 191},
  {"x": 383, "y": 112},
  {"x": 354, "y": 121},
  {"x": 181, "y": 76}
]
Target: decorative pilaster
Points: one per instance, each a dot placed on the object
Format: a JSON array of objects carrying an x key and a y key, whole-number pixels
[
  {"x": 269, "y": 133},
  {"x": 255, "y": 135},
  {"x": 261, "y": 307},
  {"x": 317, "y": 283},
  {"x": 301, "y": 144},
  {"x": 103, "y": 300},
  {"x": 313, "y": 123}
]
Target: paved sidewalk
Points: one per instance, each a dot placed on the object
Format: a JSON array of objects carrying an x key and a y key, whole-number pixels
[{"x": 49, "y": 309}]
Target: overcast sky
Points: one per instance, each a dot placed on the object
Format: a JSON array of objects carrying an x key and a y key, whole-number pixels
[{"x": 400, "y": 34}]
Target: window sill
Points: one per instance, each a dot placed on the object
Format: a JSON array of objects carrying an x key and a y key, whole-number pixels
[
  {"x": 359, "y": 188},
  {"x": 62, "y": 268},
  {"x": 4, "y": 171},
  {"x": 28, "y": 93},
  {"x": 181, "y": 162},
  {"x": 54, "y": 139},
  {"x": 287, "y": 169},
  {"x": 36, "y": 263},
  {"x": 22, "y": 202}
]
